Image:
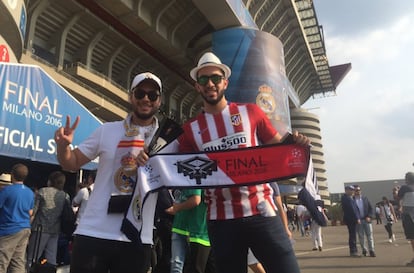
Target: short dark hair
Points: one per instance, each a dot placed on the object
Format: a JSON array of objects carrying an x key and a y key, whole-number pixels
[
  {"x": 19, "y": 172},
  {"x": 57, "y": 180},
  {"x": 92, "y": 175},
  {"x": 409, "y": 178}
]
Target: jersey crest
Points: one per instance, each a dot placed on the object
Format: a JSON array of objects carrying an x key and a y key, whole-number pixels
[{"x": 236, "y": 119}]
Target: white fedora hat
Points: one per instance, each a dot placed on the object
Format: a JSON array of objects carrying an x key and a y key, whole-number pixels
[
  {"x": 5, "y": 178},
  {"x": 209, "y": 59}
]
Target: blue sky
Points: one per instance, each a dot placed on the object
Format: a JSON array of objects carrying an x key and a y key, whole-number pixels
[{"x": 368, "y": 127}]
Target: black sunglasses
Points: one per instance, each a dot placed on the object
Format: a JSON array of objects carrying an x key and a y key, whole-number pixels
[
  {"x": 203, "y": 80},
  {"x": 153, "y": 95}
]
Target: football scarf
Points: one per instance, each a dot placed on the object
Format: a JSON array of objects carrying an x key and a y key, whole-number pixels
[
  {"x": 142, "y": 204},
  {"x": 246, "y": 166},
  {"x": 238, "y": 167},
  {"x": 125, "y": 165}
]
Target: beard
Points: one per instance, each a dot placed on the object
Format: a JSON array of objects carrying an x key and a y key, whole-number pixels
[
  {"x": 145, "y": 116},
  {"x": 211, "y": 101}
]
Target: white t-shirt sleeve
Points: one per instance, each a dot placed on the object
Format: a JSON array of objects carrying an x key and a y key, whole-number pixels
[
  {"x": 79, "y": 197},
  {"x": 90, "y": 146}
]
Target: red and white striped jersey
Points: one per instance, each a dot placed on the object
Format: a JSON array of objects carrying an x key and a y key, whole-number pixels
[{"x": 237, "y": 126}]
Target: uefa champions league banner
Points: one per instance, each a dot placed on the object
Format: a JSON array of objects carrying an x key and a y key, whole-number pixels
[
  {"x": 229, "y": 168},
  {"x": 234, "y": 167},
  {"x": 33, "y": 106},
  {"x": 258, "y": 76}
]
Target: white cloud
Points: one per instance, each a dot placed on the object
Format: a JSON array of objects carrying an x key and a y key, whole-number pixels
[
  {"x": 368, "y": 129},
  {"x": 377, "y": 45}
]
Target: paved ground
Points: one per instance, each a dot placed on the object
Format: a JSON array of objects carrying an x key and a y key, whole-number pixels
[
  {"x": 391, "y": 258},
  {"x": 334, "y": 258}
]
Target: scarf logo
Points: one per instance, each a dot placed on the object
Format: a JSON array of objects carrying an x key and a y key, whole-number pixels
[{"x": 197, "y": 168}]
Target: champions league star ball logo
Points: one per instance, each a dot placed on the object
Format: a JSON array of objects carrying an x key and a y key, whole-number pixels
[
  {"x": 296, "y": 158},
  {"x": 197, "y": 168},
  {"x": 148, "y": 168}
]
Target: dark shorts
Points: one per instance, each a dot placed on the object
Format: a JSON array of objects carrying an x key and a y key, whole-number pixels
[
  {"x": 408, "y": 226},
  {"x": 98, "y": 255}
]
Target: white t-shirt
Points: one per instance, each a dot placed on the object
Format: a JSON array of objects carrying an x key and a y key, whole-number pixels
[
  {"x": 301, "y": 211},
  {"x": 81, "y": 199},
  {"x": 96, "y": 222}
]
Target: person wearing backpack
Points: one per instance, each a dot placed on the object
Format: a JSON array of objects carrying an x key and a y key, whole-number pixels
[{"x": 49, "y": 202}]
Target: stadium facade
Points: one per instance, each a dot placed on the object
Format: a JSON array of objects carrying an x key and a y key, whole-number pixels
[{"x": 94, "y": 48}]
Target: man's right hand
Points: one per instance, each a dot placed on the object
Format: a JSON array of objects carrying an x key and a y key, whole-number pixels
[{"x": 64, "y": 135}]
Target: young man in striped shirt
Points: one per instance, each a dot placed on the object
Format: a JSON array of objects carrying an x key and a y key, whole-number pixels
[{"x": 235, "y": 221}]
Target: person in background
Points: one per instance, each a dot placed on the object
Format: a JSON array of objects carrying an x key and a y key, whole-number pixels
[
  {"x": 16, "y": 208},
  {"x": 378, "y": 214},
  {"x": 395, "y": 192},
  {"x": 351, "y": 218},
  {"x": 300, "y": 214},
  {"x": 48, "y": 208},
  {"x": 163, "y": 231},
  {"x": 395, "y": 201},
  {"x": 316, "y": 229},
  {"x": 5, "y": 180},
  {"x": 201, "y": 257},
  {"x": 390, "y": 217},
  {"x": 99, "y": 245},
  {"x": 82, "y": 196},
  {"x": 406, "y": 207},
  {"x": 364, "y": 228},
  {"x": 280, "y": 208},
  {"x": 254, "y": 264},
  {"x": 189, "y": 232},
  {"x": 291, "y": 215}
]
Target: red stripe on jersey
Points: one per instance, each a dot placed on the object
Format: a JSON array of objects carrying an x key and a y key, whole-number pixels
[
  {"x": 268, "y": 195},
  {"x": 236, "y": 202},
  {"x": 131, "y": 143},
  {"x": 254, "y": 200}
]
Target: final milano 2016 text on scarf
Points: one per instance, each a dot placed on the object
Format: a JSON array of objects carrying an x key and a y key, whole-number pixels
[{"x": 246, "y": 166}]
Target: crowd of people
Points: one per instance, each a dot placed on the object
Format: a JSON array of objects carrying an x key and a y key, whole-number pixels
[
  {"x": 30, "y": 222},
  {"x": 359, "y": 214},
  {"x": 217, "y": 229}
]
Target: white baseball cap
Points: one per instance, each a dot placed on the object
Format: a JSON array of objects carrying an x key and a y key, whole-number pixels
[
  {"x": 146, "y": 76},
  {"x": 209, "y": 59}
]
